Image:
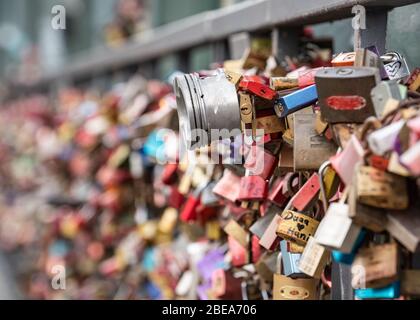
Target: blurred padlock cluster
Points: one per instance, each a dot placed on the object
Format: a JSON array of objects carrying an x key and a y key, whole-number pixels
[{"x": 280, "y": 170}]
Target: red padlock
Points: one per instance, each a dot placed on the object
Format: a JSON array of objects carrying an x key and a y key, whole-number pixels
[
  {"x": 309, "y": 193},
  {"x": 176, "y": 198},
  {"x": 169, "y": 173},
  {"x": 258, "y": 89},
  {"x": 277, "y": 194},
  {"x": 307, "y": 77},
  {"x": 189, "y": 212},
  {"x": 260, "y": 162},
  {"x": 253, "y": 188},
  {"x": 379, "y": 162}
]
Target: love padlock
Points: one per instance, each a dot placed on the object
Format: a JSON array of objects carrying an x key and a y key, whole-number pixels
[
  {"x": 253, "y": 188},
  {"x": 306, "y": 196},
  {"x": 260, "y": 162},
  {"x": 296, "y": 227},
  {"x": 189, "y": 212},
  {"x": 258, "y": 89},
  {"x": 277, "y": 195}
]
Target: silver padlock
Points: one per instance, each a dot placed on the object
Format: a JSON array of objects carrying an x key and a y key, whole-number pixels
[
  {"x": 208, "y": 109},
  {"x": 395, "y": 66},
  {"x": 384, "y": 91},
  {"x": 290, "y": 262}
]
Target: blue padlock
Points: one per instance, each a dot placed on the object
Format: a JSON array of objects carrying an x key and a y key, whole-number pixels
[
  {"x": 391, "y": 291},
  {"x": 290, "y": 262},
  {"x": 295, "y": 101},
  {"x": 348, "y": 258}
]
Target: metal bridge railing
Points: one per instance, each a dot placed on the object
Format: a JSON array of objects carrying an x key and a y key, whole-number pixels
[{"x": 216, "y": 27}]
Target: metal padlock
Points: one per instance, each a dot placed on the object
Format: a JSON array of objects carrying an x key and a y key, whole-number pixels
[
  {"x": 205, "y": 104},
  {"x": 384, "y": 91},
  {"x": 414, "y": 80},
  {"x": 410, "y": 282},
  {"x": 336, "y": 230},
  {"x": 383, "y": 140},
  {"x": 276, "y": 194},
  {"x": 348, "y": 258},
  {"x": 189, "y": 211},
  {"x": 168, "y": 221},
  {"x": 253, "y": 188},
  {"x": 344, "y": 93},
  {"x": 381, "y": 189},
  {"x": 228, "y": 187},
  {"x": 283, "y": 83},
  {"x": 260, "y": 226},
  {"x": 176, "y": 198},
  {"x": 344, "y": 59},
  {"x": 208, "y": 198},
  {"x": 260, "y": 162},
  {"x": 366, "y": 216},
  {"x": 258, "y": 89},
  {"x": 252, "y": 290},
  {"x": 380, "y": 265},
  {"x": 296, "y": 227},
  {"x": 266, "y": 266},
  {"x": 310, "y": 149},
  {"x": 405, "y": 227},
  {"x": 307, "y": 77},
  {"x": 286, "y": 158},
  {"x": 286, "y": 288},
  {"x": 295, "y": 101},
  {"x": 225, "y": 286},
  {"x": 314, "y": 259},
  {"x": 308, "y": 194},
  {"x": 246, "y": 107},
  {"x": 269, "y": 239},
  {"x": 234, "y": 230},
  {"x": 396, "y": 66},
  {"x": 366, "y": 58},
  {"x": 391, "y": 291},
  {"x": 411, "y": 159},
  {"x": 345, "y": 162},
  {"x": 290, "y": 261}
]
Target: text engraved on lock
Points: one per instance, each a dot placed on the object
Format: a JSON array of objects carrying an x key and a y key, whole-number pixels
[
  {"x": 296, "y": 227},
  {"x": 253, "y": 188}
]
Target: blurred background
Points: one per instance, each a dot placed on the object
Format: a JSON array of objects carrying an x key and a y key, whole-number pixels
[
  {"x": 27, "y": 41},
  {"x": 30, "y": 49}
]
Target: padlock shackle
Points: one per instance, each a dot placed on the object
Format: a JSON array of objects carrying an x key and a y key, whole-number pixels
[{"x": 321, "y": 171}]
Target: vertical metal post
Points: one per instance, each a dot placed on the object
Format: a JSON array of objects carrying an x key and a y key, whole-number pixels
[
  {"x": 184, "y": 60},
  {"x": 220, "y": 51},
  {"x": 341, "y": 282},
  {"x": 288, "y": 42},
  {"x": 238, "y": 43},
  {"x": 376, "y": 28}
]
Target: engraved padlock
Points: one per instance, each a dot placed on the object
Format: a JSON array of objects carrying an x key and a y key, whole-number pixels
[
  {"x": 253, "y": 188},
  {"x": 396, "y": 66}
]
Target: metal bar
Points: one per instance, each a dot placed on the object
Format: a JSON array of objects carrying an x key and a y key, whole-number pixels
[
  {"x": 341, "y": 279},
  {"x": 211, "y": 26},
  {"x": 375, "y": 32}
]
